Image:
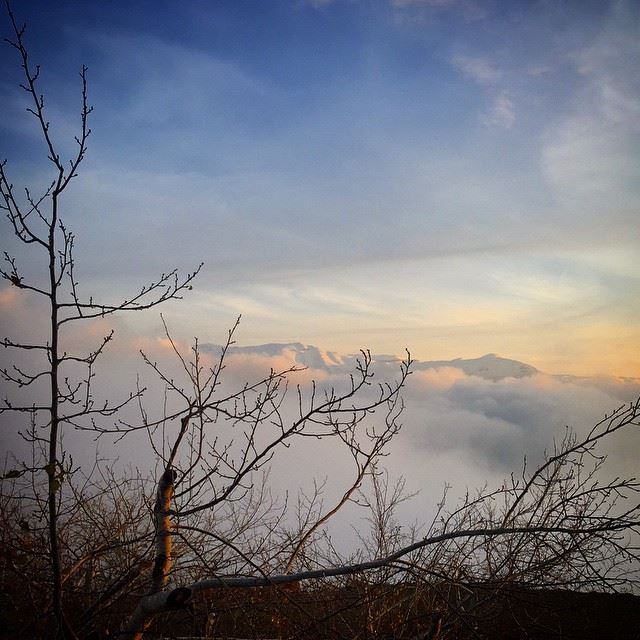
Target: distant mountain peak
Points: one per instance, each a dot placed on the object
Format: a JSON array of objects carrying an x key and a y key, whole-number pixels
[{"x": 489, "y": 366}]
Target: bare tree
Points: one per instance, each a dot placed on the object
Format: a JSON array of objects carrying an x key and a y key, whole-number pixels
[
  {"x": 566, "y": 523},
  {"x": 36, "y": 222},
  {"x": 215, "y": 445},
  {"x": 201, "y": 468}
]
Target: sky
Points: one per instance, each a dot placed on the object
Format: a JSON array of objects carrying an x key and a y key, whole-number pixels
[{"x": 457, "y": 177}]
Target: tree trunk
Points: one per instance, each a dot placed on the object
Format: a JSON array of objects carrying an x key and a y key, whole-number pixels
[{"x": 156, "y": 599}]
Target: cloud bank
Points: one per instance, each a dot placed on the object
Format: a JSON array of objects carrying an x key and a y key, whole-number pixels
[{"x": 490, "y": 412}]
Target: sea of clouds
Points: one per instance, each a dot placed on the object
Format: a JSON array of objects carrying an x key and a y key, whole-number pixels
[{"x": 467, "y": 423}]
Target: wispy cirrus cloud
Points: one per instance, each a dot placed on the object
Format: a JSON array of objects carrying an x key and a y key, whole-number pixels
[
  {"x": 590, "y": 152},
  {"x": 503, "y": 110},
  {"x": 484, "y": 72},
  {"x": 477, "y": 68}
]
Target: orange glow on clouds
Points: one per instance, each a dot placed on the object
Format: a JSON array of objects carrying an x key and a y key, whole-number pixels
[{"x": 8, "y": 296}]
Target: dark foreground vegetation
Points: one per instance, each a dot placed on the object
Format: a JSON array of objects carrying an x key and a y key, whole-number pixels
[
  {"x": 411, "y": 611},
  {"x": 358, "y": 611},
  {"x": 196, "y": 545}
]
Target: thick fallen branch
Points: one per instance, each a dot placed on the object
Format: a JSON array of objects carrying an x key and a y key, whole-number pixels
[
  {"x": 360, "y": 567},
  {"x": 172, "y": 599}
]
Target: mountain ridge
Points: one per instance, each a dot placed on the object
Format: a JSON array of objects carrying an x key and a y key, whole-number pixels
[{"x": 489, "y": 366}]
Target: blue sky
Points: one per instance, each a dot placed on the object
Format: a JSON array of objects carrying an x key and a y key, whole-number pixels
[{"x": 453, "y": 176}]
